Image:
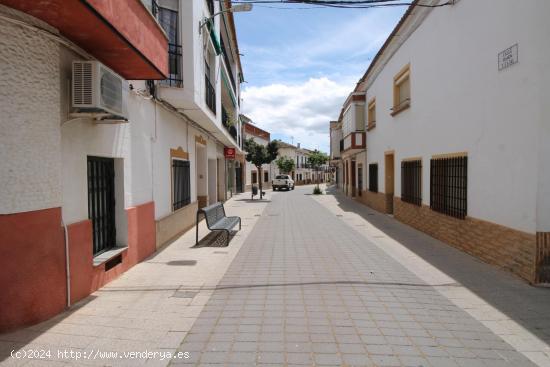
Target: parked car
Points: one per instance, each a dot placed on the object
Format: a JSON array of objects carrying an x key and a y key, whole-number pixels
[{"x": 282, "y": 181}]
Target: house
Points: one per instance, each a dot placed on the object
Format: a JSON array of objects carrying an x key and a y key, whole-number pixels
[
  {"x": 115, "y": 130},
  {"x": 262, "y": 137},
  {"x": 457, "y": 130}
]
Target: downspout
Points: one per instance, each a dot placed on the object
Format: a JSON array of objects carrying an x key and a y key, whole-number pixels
[{"x": 67, "y": 262}]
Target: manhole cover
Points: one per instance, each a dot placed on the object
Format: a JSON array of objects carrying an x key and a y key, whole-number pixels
[{"x": 184, "y": 294}]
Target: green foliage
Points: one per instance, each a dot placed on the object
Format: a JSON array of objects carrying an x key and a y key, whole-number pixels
[
  {"x": 317, "y": 191},
  {"x": 285, "y": 164},
  {"x": 317, "y": 159},
  {"x": 258, "y": 154}
]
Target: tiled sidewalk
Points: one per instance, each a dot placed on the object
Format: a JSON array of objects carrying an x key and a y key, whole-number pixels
[
  {"x": 308, "y": 289},
  {"x": 149, "y": 308}
]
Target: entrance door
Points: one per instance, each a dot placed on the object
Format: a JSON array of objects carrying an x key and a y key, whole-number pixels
[
  {"x": 389, "y": 185},
  {"x": 239, "y": 178},
  {"x": 101, "y": 202},
  {"x": 360, "y": 178},
  {"x": 353, "y": 179}
]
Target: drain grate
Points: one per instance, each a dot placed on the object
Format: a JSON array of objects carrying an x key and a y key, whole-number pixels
[
  {"x": 184, "y": 294},
  {"x": 257, "y": 215},
  {"x": 220, "y": 252},
  {"x": 339, "y": 215}
]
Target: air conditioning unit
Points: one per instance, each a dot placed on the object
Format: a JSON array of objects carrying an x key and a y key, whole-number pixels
[{"x": 99, "y": 91}]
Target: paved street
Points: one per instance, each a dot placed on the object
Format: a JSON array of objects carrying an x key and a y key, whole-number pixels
[
  {"x": 308, "y": 289},
  {"x": 310, "y": 280}
]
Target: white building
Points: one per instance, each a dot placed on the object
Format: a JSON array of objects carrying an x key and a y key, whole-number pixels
[
  {"x": 457, "y": 119},
  {"x": 121, "y": 184}
]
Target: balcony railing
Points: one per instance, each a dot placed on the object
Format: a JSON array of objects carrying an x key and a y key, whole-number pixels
[
  {"x": 175, "y": 78},
  {"x": 228, "y": 124},
  {"x": 210, "y": 94},
  {"x": 228, "y": 66}
]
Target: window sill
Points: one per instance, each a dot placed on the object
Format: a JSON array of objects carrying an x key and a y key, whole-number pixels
[
  {"x": 108, "y": 255},
  {"x": 402, "y": 107}
]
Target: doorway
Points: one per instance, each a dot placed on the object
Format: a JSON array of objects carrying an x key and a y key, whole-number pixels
[
  {"x": 389, "y": 181},
  {"x": 353, "y": 179},
  {"x": 239, "y": 177},
  {"x": 360, "y": 178}
]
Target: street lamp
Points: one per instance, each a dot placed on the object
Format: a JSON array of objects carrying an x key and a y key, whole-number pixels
[{"x": 234, "y": 9}]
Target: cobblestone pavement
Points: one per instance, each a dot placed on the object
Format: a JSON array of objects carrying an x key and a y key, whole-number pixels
[{"x": 308, "y": 289}]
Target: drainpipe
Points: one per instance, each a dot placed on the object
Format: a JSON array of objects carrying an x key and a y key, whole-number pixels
[{"x": 67, "y": 262}]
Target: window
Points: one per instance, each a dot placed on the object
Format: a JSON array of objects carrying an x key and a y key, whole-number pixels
[
  {"x": 101, "y": 203},
  {"x": 373, "y": 177},
  {"x": 448, "y": 185},
  {"x": 266, "y": 176},
  {"x": 168, "y": 20},
  {"x": 254, "y": 177},
  {"x": 411, "y": 181},
  {"x": 371, "y": 114},
  {"x": 181, "y": 184},
  {"x": 401, "y": 91}
]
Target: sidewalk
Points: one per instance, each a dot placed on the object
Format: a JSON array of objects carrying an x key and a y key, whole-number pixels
[
  {"x": 151, "y": 307},
  {"x": 512, "y": 309}
]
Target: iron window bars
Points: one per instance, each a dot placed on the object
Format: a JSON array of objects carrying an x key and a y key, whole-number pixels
[
  {"x": 101, "y": 203},
  {"x": 181, "y": 184},
  {"x": 411, "y": 182},
  {"x": 168, "y": 19},
  {"x": 449, "y": 186},
  {"x": 373, "y": 177}
]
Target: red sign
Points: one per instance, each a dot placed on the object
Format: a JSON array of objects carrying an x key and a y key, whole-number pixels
[{"x": 229, "y": 152}]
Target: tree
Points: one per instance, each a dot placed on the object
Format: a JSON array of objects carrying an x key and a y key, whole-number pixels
[
  {"x": 285, "y": 164},
  {"x": 317, "y": 159},
  {"x": 259, "y": 154}
]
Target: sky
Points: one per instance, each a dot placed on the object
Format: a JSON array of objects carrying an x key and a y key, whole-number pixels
[{"x": 300, "y": 63}]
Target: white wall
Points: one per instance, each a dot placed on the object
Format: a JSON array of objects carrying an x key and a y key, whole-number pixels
[
  {"x": 172, "y": 133},
  {"x": 460, "y": 102},
  {"x": 30, "y": 171}
]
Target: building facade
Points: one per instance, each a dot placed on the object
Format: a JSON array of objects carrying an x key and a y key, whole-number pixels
[
  {"x": 262, "y": 137},
  {"x": 87, "y": 193},
  {"x": 457, "y": 141}
]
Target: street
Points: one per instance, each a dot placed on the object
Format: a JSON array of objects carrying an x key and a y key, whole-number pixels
[
  {"x": 307, "y": 289},
  {"x": 304, "y": 285}
]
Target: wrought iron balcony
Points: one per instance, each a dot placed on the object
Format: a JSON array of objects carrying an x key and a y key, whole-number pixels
[
  {"x": 228, "y": 124},
  {"x": 175, "y": 78}
]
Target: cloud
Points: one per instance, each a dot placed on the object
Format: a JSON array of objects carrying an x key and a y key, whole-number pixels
[
  {"x": 298, "y": 110},
  {"x": 317, "y": 48},
  {"x": 301, "y": 67}
]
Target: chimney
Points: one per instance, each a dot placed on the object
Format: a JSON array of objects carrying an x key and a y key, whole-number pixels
[{"x": 298, "y": 145}]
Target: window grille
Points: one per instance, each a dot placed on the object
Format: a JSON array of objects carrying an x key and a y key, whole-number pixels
[
  {"x": 449, "y": 186},
  {"x": 411, "y": 182},
  {"x": 181, "y": 184}
]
